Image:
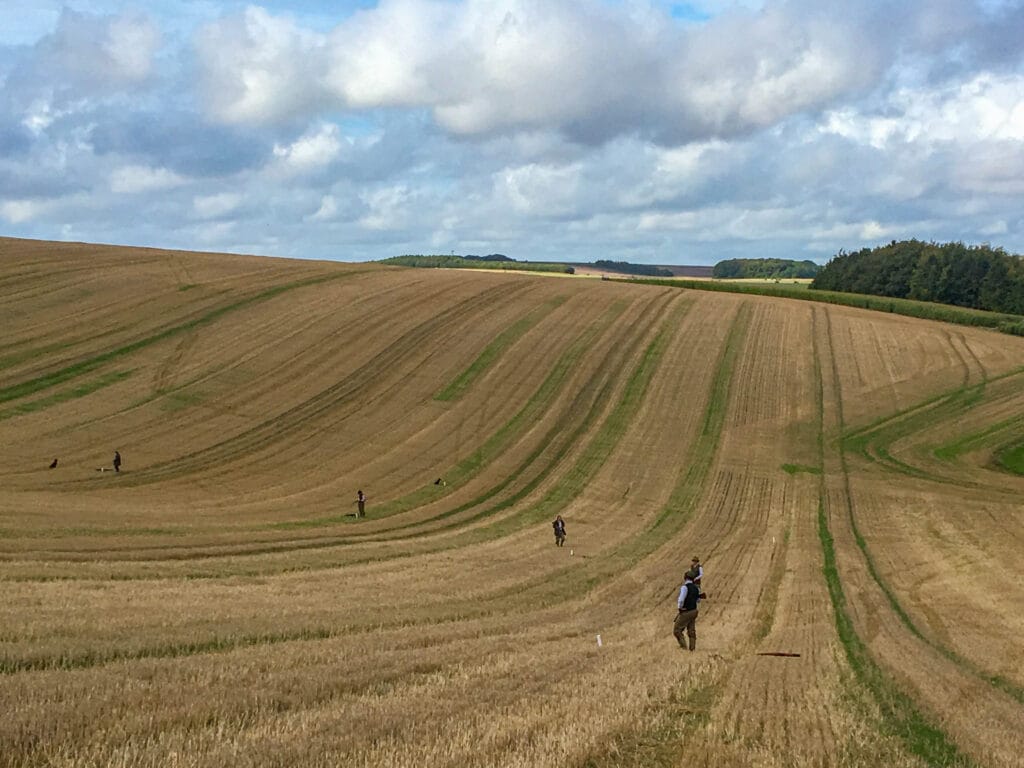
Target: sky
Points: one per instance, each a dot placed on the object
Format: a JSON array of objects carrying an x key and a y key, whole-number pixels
[{"x": 632, "y": 130}]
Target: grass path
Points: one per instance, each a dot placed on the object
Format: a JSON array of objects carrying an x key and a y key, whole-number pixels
[{"x": 902, "y": 716}]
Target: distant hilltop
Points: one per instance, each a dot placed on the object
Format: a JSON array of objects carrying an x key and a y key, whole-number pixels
[
  {"x": 493, "y": 261},
  {"x": 501, "y": 261}
]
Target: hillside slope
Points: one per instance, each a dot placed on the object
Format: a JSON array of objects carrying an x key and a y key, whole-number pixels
[{"x": 218, "y": 600}]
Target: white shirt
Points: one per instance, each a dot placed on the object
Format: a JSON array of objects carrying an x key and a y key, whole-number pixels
[{"x": 682, "y": 593}]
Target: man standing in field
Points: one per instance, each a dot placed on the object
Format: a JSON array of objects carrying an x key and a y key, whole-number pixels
[
  {"x": 117, "y": 461},
  {"x": 360, "y": 504},
  {"x": 686, "y": 620},
  {"x": 559, "y": 526},
  {"x": 698, "y": 572}
]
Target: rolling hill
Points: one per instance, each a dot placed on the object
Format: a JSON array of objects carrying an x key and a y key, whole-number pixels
[{"x": 217, "y": 600}]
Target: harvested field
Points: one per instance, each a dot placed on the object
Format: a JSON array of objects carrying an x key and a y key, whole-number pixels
[{"x": 218, "y": 603}]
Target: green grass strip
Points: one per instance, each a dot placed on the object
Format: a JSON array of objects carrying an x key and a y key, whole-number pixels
[
  {"x": 794, "y": 469},
  {"x": 495, "y": 445},
  {"x": 62, "y": 397},
  {"x": 940, "y": 408},
  {"x": 595, "y": 454},
  {"x": 92, "y": 658},
  {"x": 493, "y": 351},
  {"x": 15, "y": 358},
  {"x": 1012, "y": 458},
  {"x": 62, "y": 375},
  {"x": 901, "y": 717},
  {"x": 590, "y": 461},
  {"x": 583, "y": 577},
  {"x": 687, "y": 492},
  {"x": 972, "y": 441},
  {"x": 573, "y": 482},
  {"x": 947, "y": 313},
  {"x": 872, "y": 442}
]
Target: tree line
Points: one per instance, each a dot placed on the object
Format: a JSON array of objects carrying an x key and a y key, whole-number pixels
[
  {"x": 494, "y": 261},
  {"x": 978, "y": 277},
  {"x": 769, "y": 269},
  {"x": 628, "y": 268}
]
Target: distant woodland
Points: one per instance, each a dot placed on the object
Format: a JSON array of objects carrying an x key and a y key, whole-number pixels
[
  {"x": 777, "y": 269},
  {"x": 500, "y": 261},
  {"x": 626, "y": 268},
  {"x": 979, "y": 277}
]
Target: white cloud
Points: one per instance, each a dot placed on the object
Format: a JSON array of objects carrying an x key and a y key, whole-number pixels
[
  {"x": 668, "y": 173},
  {"x": 256, "y": 67},
  {"x": 129, "y": 46},
  {"x": 984, "y": 108},
  {"x": 20, "y": 211},
  {"x": 132, "y": 179},
  {"x": 216, "y": 233},
  {"x": 384, "y": 56},
  {"x": 327, "y": 210},
  {"x": 995, "y": 228},
  {"x": 586, "y": 68},
  {"x": 312, "y": 150},
  {"x": 215, "y": 206},
  {"x": 388, "y": 207},
  {"x": 541, "y": 190}
]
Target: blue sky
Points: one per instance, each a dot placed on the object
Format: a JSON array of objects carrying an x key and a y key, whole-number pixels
[{"x": 654, "y": 132}]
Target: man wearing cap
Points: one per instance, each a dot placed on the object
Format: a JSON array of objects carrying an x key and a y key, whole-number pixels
[
  {"x": 686, "y": 620},
  {"x": 697, "y": 570}
]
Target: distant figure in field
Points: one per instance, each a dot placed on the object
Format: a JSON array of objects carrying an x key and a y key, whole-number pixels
[
  {"x": 360, "y": 504},
  {"x": 440, "y": 481},
  {"x": 697, "y": 571},
  {"x": 559, "y": 526},
  {"x": 117, "y": 461},
  {"x": 53, "y": 464},
  {"x": 686, "y": 619}
]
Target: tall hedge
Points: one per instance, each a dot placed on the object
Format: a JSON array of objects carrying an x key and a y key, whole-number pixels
[{"x": 764, "y": 268}]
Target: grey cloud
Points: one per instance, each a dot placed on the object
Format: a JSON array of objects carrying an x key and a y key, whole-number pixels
[
  {"x": 86, "y": 55},
  {"x": 995, "y": 42},
  {"x": 15, "y": 139},
  {"x": 181, "y": 141}
]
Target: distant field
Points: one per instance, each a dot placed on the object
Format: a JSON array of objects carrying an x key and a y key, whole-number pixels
[
  {"x": 839, "y": 471},
  {"x": 794, "y": 282}
]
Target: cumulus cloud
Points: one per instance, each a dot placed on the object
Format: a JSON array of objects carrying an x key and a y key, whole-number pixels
[
  {"x": 568, "y": 129},
  {"x": 539, "y": 189},
  {"x": 312, "y": 150},
  {"x": 257, "y": 67},
  {"x": 388, "y": 207},
  {"x": 132, "y": 179},
  {"x": 19, "y": 211},
  {"x": 327, "y": 210},
  {"x": 90, "y": 54},
  {"x": 215, "y": 206},
  {"x": 590, "y": 69}
]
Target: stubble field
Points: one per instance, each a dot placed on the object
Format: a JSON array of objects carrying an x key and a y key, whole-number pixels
[{"x": 217, "y": 603}]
